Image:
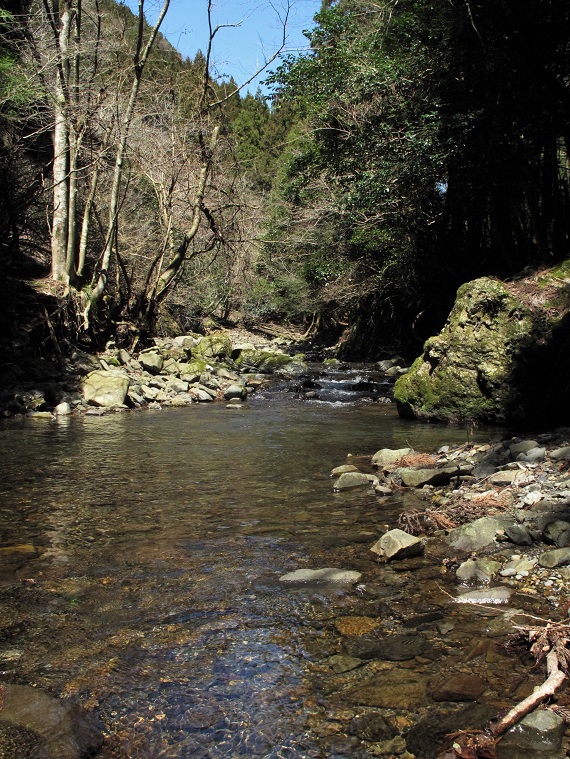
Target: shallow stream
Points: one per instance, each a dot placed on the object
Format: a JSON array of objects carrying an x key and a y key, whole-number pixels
[{"x": 139, "y": 574}]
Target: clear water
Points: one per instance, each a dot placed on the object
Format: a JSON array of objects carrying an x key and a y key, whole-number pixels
[{"x": 146, "y": 551}]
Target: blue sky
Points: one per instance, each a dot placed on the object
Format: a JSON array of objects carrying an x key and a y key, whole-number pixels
[{"x": 238, "y": 51}]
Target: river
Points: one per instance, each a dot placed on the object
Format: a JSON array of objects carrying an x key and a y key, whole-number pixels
[{"x": 142, "y": 564}]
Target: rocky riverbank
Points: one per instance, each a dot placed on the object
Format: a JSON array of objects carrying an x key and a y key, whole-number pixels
[
  {"x": 175, "y": 372},
  {"x": 495, "y": 519}
]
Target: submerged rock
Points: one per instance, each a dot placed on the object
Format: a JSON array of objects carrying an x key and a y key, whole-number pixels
[
  {"x": 66, "y": 732},
  {"x": 322, "y": 575},
  {"x": 489, "y": 596}
]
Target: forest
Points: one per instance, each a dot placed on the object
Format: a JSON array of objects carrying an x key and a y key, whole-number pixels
[{"x": 415, "y": 146}]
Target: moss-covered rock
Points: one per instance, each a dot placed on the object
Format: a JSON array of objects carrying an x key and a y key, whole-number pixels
[
  {"x": 213, "y": 347},
  {"x": 492, "y": 359},
  {"x": 262, "y": 361}
]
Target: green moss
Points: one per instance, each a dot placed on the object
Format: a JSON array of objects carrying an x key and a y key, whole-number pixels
[
  {"x": 262, "y": 361},
  {"x": 213, "y": 346}
]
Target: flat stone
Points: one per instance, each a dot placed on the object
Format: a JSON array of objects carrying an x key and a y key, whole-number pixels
[
  {"x": 559, "y": 557},
  {"x": 357, "y": 626},
  {"x": 394, "y": 689},
  {"x": 350, "y": 480},
  {"x": 506, "y": 477},
  {"x": 388, "y": 456},
  {"x": 386, "y": 647},
  {"x": 459, "y": 687},
  {"x": 417, "y": 478},
  {"x": 397, "y": 544},
  {"x": 477, "y": 534},
  {"x": 489, "y": 596},
  {"x": 343, "y": 469},
  {"x": 343, "y": 576}
]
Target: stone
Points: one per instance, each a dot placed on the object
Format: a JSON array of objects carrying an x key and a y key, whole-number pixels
[
  {"x": 388, "y": 456},
  {"x": 476, "y": 535},
  {"x": 371, "y": 726},
  {"x": 342, "y": 576},
  {"x": 559, "y": 557},
  {"x": 66, "y": 730},
  {"x": 62, "y": 409},
  {"x": 343, "y": 469},
  {"x": 541, "y": 731},
  {"x": 152, "y": 362},
  {"x": 506, "y": 477},
  {"x": 357, "y": 626},
  {"x": 458, "y": 687},
  {"x": 485, "y": 364},
  {"x": 235, "y": 391},
  {"x": 479, "y": 570},
  {"x": 386, "y": 647},
  {"x": 394, "y": 689},
  {"x": 532, "y": 456},
  {"x": 175, "y": 385},
  {"x": 397, "y": 544},
  {"x": 518, "y": 534},
  {"x": 105, "y": 388},
  {"x": 340, "y": 663},
  {"x": 417, "y": 478},
  {"x": 558, "y": 533},
  {"x": 561, "y": 454},
  {"x": 262, "y": 361},
  {"x": 427, "y": 736},
  {"x": 350, "y": 480},
  {"x": 488, "y": 597},
  {"x": 522, "y": 446},
  {"x": 212, "y": 347},
  {"x": 518, "y": 566}
]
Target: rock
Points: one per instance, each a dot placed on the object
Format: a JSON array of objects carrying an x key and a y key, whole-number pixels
[
  {"x": 532, "y": 456},
  {"x": 212, "y": 347},
  {"x": 522, "y": 446},
  {"x": 386, "y": 647},
  {"x": 262, "y": 361},
  {"x": 476, "y": 535},
  {"x": 489, "y": 596},
  {"x": 235, "y": 391},
  {"x": 486, "y": 365},
  {"x": 561, "y": 454},
  {"x": 175, "y": 385},
  {"x": 388, "y": 456},
  {"x": 518, "y": 534},
  {"x": 106, "y": 388},
  {"x": 417, "y": 478},
  {"x": 394, "y": 689},
  {"x": 340, "y": 663},
  {"x": 517, "y": 567},
  {"x": 531, "y": 499},
  {"x": 350, "y": 480},
  {"x": 558, "y": 533},
  {"x": 428, "y": 735},
  {"x": 506, "y": 478},
  {"x": 151, "y": 361},
  {"x": 481, "y": 570},
  {"x": 382, "y": 490},
  {"x": 541, "y": 731},
  {"x": 559, "y": 557},
  {"x": 343, "y": 469},
  {"x": 371, "y": 726},
  {"x": 62, "y": 409},
  {"x": 357, "y": 626},
  {"x": 342, "y": 576},
  {"x": 458, "y": 687},
  {"x": 397, "y": 544},
  {"x": 66, "y": 730}
]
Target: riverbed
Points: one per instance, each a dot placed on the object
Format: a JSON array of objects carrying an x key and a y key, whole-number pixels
[{"x": 141, "y": 578}]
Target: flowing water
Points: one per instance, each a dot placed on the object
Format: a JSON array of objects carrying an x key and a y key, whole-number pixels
[{"x": 140, "y": 564}]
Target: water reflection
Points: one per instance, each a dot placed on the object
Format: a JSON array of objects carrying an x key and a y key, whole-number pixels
[{"x": 150, "y": 591}]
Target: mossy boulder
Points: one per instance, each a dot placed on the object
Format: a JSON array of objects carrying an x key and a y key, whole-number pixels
[
  {"x": 262, "y": 361},
  {"x": 503, "y": 348},
  {"x": 213, "y": 347}
]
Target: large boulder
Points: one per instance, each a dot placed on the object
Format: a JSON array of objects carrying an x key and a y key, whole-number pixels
[
  {"x": 263, "y": 361},
  {"x": 212, "y": 347},
  {"x": 490, "y": 361},
  {"x": 105, "y": 388}
]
